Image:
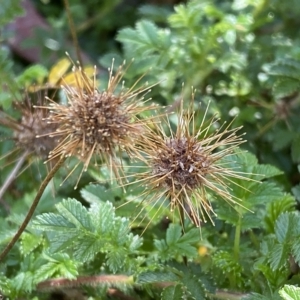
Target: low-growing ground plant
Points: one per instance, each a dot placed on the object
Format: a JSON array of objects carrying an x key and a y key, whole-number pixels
[{"x": 153, "y": 189}]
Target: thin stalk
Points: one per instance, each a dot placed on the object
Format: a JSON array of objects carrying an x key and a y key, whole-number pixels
[
  {"x": 181, "y": 216},
  {"x": 59, "y": 283},
  {"x": 32, "y": 208},
  {"x": 237, "y": 237},
  {"x": 12, "y": 176},
  {"x": 73, "y": 31},
  {"x": 224, "y": 295},
  {"x": 236, "y": 250}
]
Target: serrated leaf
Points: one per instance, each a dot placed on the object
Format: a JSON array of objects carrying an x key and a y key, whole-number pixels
[
  {"x": 173, "y": 234},
  {"x": 59, "y": 264},
  {"x": 285, "y": 71},
  {"x": 52, "y": 222},
  {"x": 116, "y": 259},
  {"x": 91, "y": 192},
  {"x": 61, "y": 240},
  {"x": 255, "y": 296},
  {"x": 274, "y": 209},
  {"x": 87, "y": 246},
  {"x": 103, "y": 216},
  {"x": 144, "y": 40},
  {"x": 77, "y": 214},
  {"x": 135, "y": 243},
  {"x": 285, "y": 87},
  {"x": 267, "y": 171},
  {"x": 194, "y": 286},
  {"x": 156, "y": 276},
  {"x": 278, "y": 256},
  {"x": 264, "y": 193},
  {"x": 290, "y": 292},
  {"x": 296, "y": 192},
  {"x": 296, "y": 250},
  {"x": 250, "y": 221},
  {"x": 148, "y": 30},
  {"x": 88, "y": 232},
  {"x": 29, "y": 242},
  {"x": 287, "y": 225},
  {"x": 173, "y": 292}
]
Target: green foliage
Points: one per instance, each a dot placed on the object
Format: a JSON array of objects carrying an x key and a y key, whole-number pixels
[
  {"x": 9, "y": 9},
  {"x": 243, "y": 58},
  {"x": 290, "y": 292},
  {"x": 176, "y": 245},
  {"x": 90, "y": 232}
]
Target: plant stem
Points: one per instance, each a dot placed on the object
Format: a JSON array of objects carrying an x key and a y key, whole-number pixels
[
  {"x": 58, "y": 283},
  {"x": 237, "y": 237},
  {"x": 32, "y": 208},
  {"x": 12, "y": 176},
  {"x": 73, "y": 31},
  {"x": 222, "y": 295}
]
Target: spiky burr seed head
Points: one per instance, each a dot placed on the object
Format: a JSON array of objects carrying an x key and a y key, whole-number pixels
[
  {"x": 95, "y": 122},
  {"x": 186, "y": 165},
  {"x": 31, "y": 124}
]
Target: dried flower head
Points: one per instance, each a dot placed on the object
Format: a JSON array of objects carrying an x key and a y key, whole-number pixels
[
  {"x": 97, "y": 123},
  {"x": 30, "y": 125},
  {"x": 24, "y": 134},
  {"x": 188, "y": 164}
]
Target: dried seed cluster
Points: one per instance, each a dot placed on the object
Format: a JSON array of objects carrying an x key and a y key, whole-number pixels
[
  {"x": 185, "y": 166},
  {"x": 31, "y": 125},
  {"x": 183, "y": 162},
  {"x": 98, "y": 122}
]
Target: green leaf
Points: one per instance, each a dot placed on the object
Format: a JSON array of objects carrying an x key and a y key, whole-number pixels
[
  {"x": 53, "y": 222},
  {"x": 177, "y": 244},
  {"x": 32, "y": 75},
  {"x": 173, "y": 292},
  {"x": 156, "y": 276},
  {"x": 296, "y": 192},
  {"x": 59, "y": 264},
  {"x": 226, "y": 263},
  {"x": 173, "y": 234},
  {"x": 274, "y": 209},
  {"x": 148, "y": 30},
  {"x": 287, "y": 226},
  {"x": 88, "y": 232},
  {"x": 73, "y": 211},
  {"x": 290, "y": 292},
  {"x": 296, "y": 250},
  {"x": 29, "y": 242},
  {"x": 194, "y": 286},
  {"x": 255, "y": 296},
  {"x": 264, "y": 193},
  {"x": 285, "y": 70},
  {"x": 279, "y": 256},
  {"x": 91, "y": 193},
  {"x": 285, "y": 87},
  {"x": 267, "y": 171},
  {"x": 102, "y": 216},
  {"x": 143, "y": 40},
  {"x": 9, "y": 9}
]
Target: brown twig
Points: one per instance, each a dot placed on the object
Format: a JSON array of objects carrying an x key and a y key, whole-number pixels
[
  {"x": 73, "y": 32},
  {"x": 11, "y": 178},
  {"x": 84, "y": 280},
  {"x": 32, "y": 208}
]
